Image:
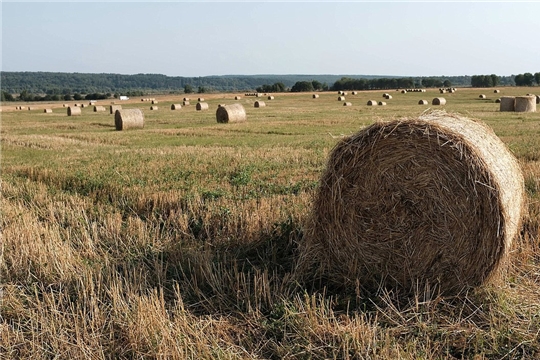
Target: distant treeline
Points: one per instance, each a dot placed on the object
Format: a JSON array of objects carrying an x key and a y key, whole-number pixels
[{"x": 35, "y": 86}]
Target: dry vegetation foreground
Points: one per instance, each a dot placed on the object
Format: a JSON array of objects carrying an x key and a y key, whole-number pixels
[{"x": 179, "y": 240}]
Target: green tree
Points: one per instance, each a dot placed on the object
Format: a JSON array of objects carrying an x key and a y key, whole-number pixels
[
  {"x": 447, "y": 83},
  {"x": 188, "y": 89},
  {"x": 68, "y": 97},
  {"x": 537, "y": 78},
  {"x": 301, "y": 86},
  {"x": 77, "y": 96},
  {"x": 7, "y": 96}
]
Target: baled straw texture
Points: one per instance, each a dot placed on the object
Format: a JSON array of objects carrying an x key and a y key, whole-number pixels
[
  {"x": 438, "y": 101},
  {"x": 341, "y": 98},
  {"x": 496, "y": 91},
  {"x": 74, "y": 111},
  {"x": 237, "y": 97},
  {"x": 128, "y": 119},
  {"x": 346, "y": 103},
  {"x": 315, "y": 96},
  {"x": 47, "y": 111},
  {"x": 482, "y": 96},
  {"x": 382, "y": 103},
  {"x": 507, "y": 103},
  {"x": 154, "y": 107},
  {"x": 201, "y": 106},
  {"x": 113, "y": 108},
  {"x": 525, "y": 103},
  {"x": 259, "y": 104},
  {"x": 231, "y": 113},
  {"x": 434, "y": 200},
  {"x": 372, "y": 102},
  {"x": 176, "y": 106},
  {"x": 98, "y": 108},
  {"x": 422, "y": 102}
]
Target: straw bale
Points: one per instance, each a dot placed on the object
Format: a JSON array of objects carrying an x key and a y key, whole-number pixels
[
  {"x": 388, "y": 97},
  {"x": 525, "y": 103},
  {"x": 315, "y": 96},
  {"x": 482, "y": 96},
  {"x": 83, "y": 105},
  {"x": 113, "y": 108},
  {"x": 154, "y": 108},
  {"x": 344, "y": 93},
  {"x": 341, "y": 98},
  {"x": 423, "y": 102},
  {"x": 155, "y": 102},
  {"x": 128, "y": 119},
  {"x": 185, "y": 102},
  {"x": 507, "y": 103},
  {"x": 372, "y": 102},
  {"x": 496, "y": 91},
  {"x": 231, "y": 113},
  {"x": 385, "y": 95},
  {"x": 237, "y": 97},
  {"x": 538, "y": 99},
  {"x": 259, "y": 104},
  {"x": 270, "y": 97},
  {"x": 438, "y": 101},
  {"x": 47, "y": 111},
  {"x": 186, "y": 99},
  {"x": 74, "y": 111},
  {"x": 354, "y": 93},
  {"x": 435, "y": 200},
  {"x": 382, "y": 103},
  {"x": 200, "y": 99},
  {"x": 201, "y": 106},
  {"x": 442, "y": 91},
  {"x": 65, "y": 105},
  {"x": 99, "y": 108},
  {"x": 347, "y": 104},
  {"x": 403, "y": 91},
  {"x": 31, "y": 108},
  {"x": 176, "y": 107}
]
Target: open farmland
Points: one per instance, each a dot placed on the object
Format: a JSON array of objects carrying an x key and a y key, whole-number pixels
[{"x": 178, "y": 240}]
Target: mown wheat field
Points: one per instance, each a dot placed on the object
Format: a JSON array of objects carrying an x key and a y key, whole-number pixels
[{"x": 179, "y": 240}]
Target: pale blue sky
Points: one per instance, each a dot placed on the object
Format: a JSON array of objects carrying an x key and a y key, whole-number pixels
[{"x": 220, "y": 38}]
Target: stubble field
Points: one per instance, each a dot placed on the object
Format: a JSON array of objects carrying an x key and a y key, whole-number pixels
[{"x": 178, "y": 241}]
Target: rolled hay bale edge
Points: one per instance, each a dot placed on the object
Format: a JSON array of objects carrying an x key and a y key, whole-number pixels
[
  {"x": 74, "y": 111},
  {"x": 438, "y": 101},
  {"x": 128, "y": 119},
  {"x": 176, "y": 106},
  {"x": 525, "y": 104},
  {"x": 98, "y": 108},
  {"x": 113, "y": 108},
  {"x": 231, "y": 113},
  {"x": 445, "y": 217},
  {"x": 201, "y": 106},
  {"x": 259, "y": 104},
  {"x": 507, "y": 103}
]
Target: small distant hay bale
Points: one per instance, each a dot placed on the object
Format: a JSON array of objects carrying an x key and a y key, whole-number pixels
[
  {"x": 155, "y": 102},
  {"x": 200, "y": 99},
  {"x": 31, "y": 108},
  {"x": 438, "y": 101},
  {"x": 507, "y": 103},
  {"x": 185, "y": 103},
  {"x": 231, "y": 113},
  {"x": 435, "y": 200},
  {"x": 354, "y": 93},
  {"x": 525, "y": 103},
  {"x": 496, "y": 91},
  {"x": 388, "y": 97},
  {"x": 423, "y": 102},
  {"x": 340, "y": 92},
  {"x": 270, "y": 97},
  {"x": 341, "y": 98},
  {"x": 482, "y": 96},
  {"x": 176, "y": 107},
  {"x": 154, "y": 108},
  {"x": 186, "y": 99},
  {"x": 385, "y": 95},
  {"x": 83, "y": 105},
  {"x": 201, "y": 106},
  {"x": 382, "y": 103},
  {"x": 65, "y": 105},
  {"x": 372, "y": 102},
  {"x": 315, "y": 96},
  {"x": 498, "y": 101},
  {"x": 237, "y": 97},
  {"x": 259, "y": 104},
  {"x": 442, "y": 91},
  {"x": 347, "y": 104},
  {"x": 47, "y": 111},
  {"x": 344, "y": 93},
  {"x": 99, "y": 108},
  {"x": 403, "y": 91},
  {"x": 113, "y": 108},
  {"x": 451, "y": 91},
  {"x": 74, "y": 111},
  {"x": 128, "y": 119}
]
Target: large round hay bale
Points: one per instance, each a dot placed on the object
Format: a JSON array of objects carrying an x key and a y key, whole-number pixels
[
  {"x": 154, "y": 107},
  {"x": 201, "y": 106},
  {"x": 128, "y": 119},
  {"x": 382, "y": 103},
  {"x": 498, "y": 101},
  {"x": 341, "y": 98},
  {"x": 99, "y": 108},
  {"x": 231, "y": 113},
  {"x": 271, "y": 97},
  {"x": 176, "y": 107},
  {"x": 385, "y": 95},
  {"x": 496, "y": 91},
  {"x": 434, "y": 200},
  {"x": 113, "y": 108},
  {"x": 347, "y": 103},
  {"x": 372, "y": 102},
  {"x": 388, "y": 97},
  {"x": 259, "y": 104},
  {"x": 482, "y": 96},
  {"x": 237, "y": 97},
  {"x": 185, "y": 102},
  {"x": 354, "y": 93},
  {"x": 442, "y": 91},
  {"x": 74, "y": 111},
  {"x": 438, "y": 101},
  {"x": 507, "y": 103},
  {"x": 155, "y": 102},
  {"x": 403, "y": 91},
  {"x": 422, "y": 102},
  {"x": 47, "y": 111},
  {"x": 525, "y": 103},
  {"x": 186, "y": 99},
  {"x": 315, "y": 96}
]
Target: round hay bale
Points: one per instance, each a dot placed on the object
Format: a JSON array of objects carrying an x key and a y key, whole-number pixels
[
  {"x": 65, "y": 105},
  {"x": 438, "y": 101},
  {"x": 30, "y": 108},
  {"x": 372, "y": 102},
  {"x": 201, "y": 106},
  {"x": 200, "y": 99},
  {"x": 231, "y": 113},
  {"x": 83, "y": 105},
  {"x": 498, "y": 101},
  {"x": 155, "y": 102},
  {"x": 176, "y": 107},
  {"x": 442, "y": 91},
  {"x": 113, "y": 108},
  {"x": 186, "y": 99},
  {"x": 74, "y": 111},
  {"x": 388, "y": 97},
  {"x": 47, "y": 111},
  {"x": 270, "y": 97},
  {"x": 344, "y": 93},
  {"x": 525, "y": 104},
  {"x": 538, "y": 99},
  {"x": 237, "y": 97},
  {"x": 185, "y": 102},
  {"x": 423, "y": 102},
  {"x": 347, "y": 104},
  {"x": 403, "y": 91},
  {"x": 99, "y": 108},
  {"x": 341, "y": 98},
  {"x": 259, "y": 104},
  {"x": 128, "y": 119},
  {"x": 496, "y": 91},
  {"x": 315, "y": 96},
  {"x": 385, "y": 95},
  {"x": 354, "y": 93},
  {"x": 482, "y": 96},
  {"x": 507, "y": 103},
  {"x": 435, "y": 200},
  {"x": 382, "y": 103},
  {"x": 154, "y": 108}
]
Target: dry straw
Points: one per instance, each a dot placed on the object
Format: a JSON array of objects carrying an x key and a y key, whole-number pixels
[
  {"x": 270, "y": 98},
  {"x": 388, "y": 97},
  {"x": 372, "y": 102},
  {"x": 231, "y": 113},
  {"x": 435, "y": 200},
  {"x": 74, "y": 111},
  {"x": 347, "y": 104},
  {"x": 259, "y": 104},
  {"x": 113, "y": 108},
  {"x": 201, "y": 106},
  {"x": 382, "y": 103},
  {"x": 47, "y": 111},
  {"x": 155, "y": 102},
  {"x": 482, "y": 96},
  {"x": 315, "y": 96},
  {"x": 237, "y": 97},
  {"x": 422, "y": 102},
  {"x": 176, "y": 107},
  {"x": 507, "y": 103},
  {"x": 525, "y": 103},
  {"x": 128, "y": 119},
  {"x": 154, "y": 108},
  {"x": 496, "y": 91},
  {"x": 186, "y": 99},
  {"x": 341, "y": 98},
  {"x": 99, "y": 108},
  {"x": 438, "y": 101}
]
